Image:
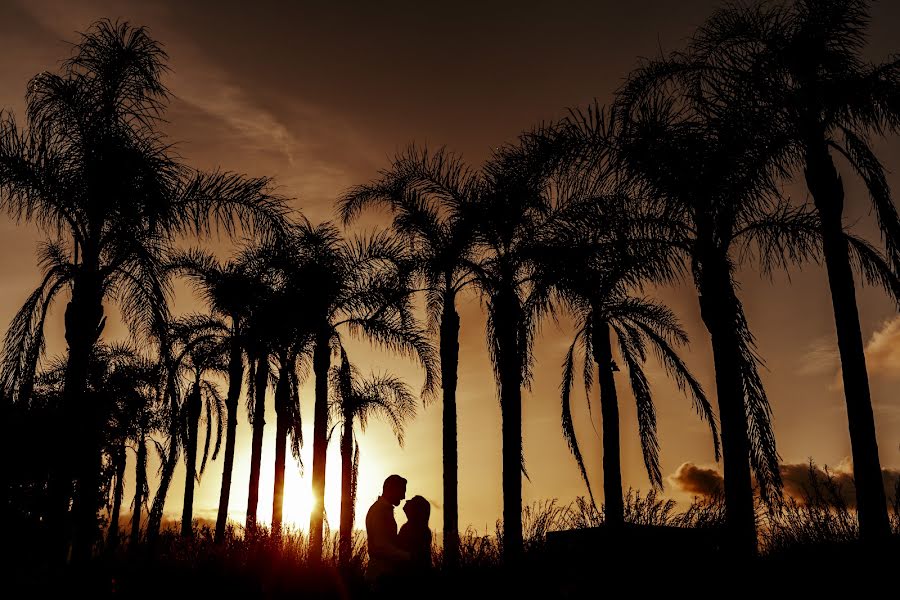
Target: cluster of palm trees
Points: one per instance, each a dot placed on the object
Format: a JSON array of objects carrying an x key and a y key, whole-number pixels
[
  {"x": 682, "y": 175},
  {"x": 92, "y": 170}
]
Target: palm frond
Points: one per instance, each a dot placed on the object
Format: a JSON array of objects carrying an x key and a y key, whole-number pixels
[
  {"x": 858, "y": 152},
  {"x": 783, "y": 236},
  {"x": 763, "y": 452},
  {"x": 208, "y": 201},
  {"x": 23, "y": 345},
  {"x": 568, "y": 425},
  {"x": 646, "y": 411},
  {"x": 872, "y": 266},
  {"x": 684, "y": 379}
]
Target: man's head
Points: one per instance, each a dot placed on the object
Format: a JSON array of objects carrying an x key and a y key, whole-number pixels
[{"x": 394, "y": 490}]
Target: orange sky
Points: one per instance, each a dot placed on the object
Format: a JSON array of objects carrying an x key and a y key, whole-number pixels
[{"x": 321, "y": 98}]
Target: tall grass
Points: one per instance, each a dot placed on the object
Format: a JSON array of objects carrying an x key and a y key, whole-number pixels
[
  {"x": 273, "y": 565},
  {"x": 821, "y": 518}
]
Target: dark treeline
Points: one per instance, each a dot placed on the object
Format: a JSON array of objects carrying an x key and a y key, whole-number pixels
[{"x": 678, "y": 180}]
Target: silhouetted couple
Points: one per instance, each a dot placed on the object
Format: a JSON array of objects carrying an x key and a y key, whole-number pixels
[{"x": 397, "y": 560}]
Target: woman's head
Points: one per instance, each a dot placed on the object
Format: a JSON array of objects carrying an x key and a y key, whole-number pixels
[{"x": 417, "y": 510}]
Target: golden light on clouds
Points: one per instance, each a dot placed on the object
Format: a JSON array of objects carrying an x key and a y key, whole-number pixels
[{"x": 883, "y": 349}]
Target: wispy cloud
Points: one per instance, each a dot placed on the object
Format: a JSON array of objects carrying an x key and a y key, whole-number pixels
[
  {"x": 820, "y": 357},
  {"x": 250, "y": 126},
  {"x": 882, "y": 355}
]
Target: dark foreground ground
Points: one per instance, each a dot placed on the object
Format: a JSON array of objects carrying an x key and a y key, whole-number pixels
[{"x": 636, "y": 565}]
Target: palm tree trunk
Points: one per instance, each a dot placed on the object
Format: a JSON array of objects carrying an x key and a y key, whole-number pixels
[
  {"x": 83, "y": 322},
  {"x": 154, "y": 522},
  {"x": 827, "y": 190},
  {"x": 235, "y": 377},
  {"x": 113, "y": 536},
  {"x": 259, "y": 423},
  {"x": 609, "y": 410},
  {"x": 190, "y": 476},
  {"x": 718, "y": 304},
  {"x": 346, "y": 490},
  {"x": 509, "y": 359},
  {"x": 449, "y": 349},
  {"x": 321, "y": 364},
  {"x": 282, "y": 397},
  {"x": 140, "y": 481}
]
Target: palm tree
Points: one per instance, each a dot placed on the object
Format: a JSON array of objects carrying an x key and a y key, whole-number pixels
[
  {"x": 290, "y": 339},
  {"x": 359, "y": 286},
  {"x": 149, "y": 419},
  {"x": 269, "y": 333},
  {"x": 594, "y": 275},
  {"x": 288, "y": 425},
  {"x": 513, "y": 201},
  {"x": 118, "y": 459},
  {"x": 202, "y": 349},
  {"x": 92, "y": 169},
  {"x": 710, "y": 193},
  {"x": 428, "y": 195},
  {"x": 355, "y": 400},
  {"x": 130, "y": 385},
  {"x": 257, "y": 385},
  {"x": 801, "y": 66},
  {"x": 187, "y": 335},
  {"x": 230, "y": 290},
  {"x": 120, "y": 383}
]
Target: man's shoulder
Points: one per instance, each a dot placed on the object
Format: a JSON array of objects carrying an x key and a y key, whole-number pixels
[{"x": 379, "y": 506}]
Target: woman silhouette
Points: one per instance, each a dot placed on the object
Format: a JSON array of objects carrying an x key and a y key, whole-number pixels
[{"x": 415, "y": 536}]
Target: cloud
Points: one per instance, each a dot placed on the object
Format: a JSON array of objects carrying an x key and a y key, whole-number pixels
[
  {"x": 883, "y": 349},
  {"x": 882, "y": 355},
  {"x": 700, "y": 481},
  {"x": 248, "y": 123},
  {"x": 798, "y": 479},
  {"x": 820, "y": 357}
]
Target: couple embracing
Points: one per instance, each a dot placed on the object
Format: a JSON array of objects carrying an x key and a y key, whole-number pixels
[{"x": 396, "y": 556}]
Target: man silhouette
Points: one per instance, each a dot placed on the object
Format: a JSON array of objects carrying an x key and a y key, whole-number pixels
[{"x": 385, "y": 555}]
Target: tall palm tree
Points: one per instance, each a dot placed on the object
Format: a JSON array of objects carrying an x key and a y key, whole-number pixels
[
  {"x": 360, "y": 287},
  {"x": 202, "y": 348},
  {"x": 268, "y": 337},
  {"x": 290, "y": 336},
  {"x": 801, "y": 66},
  {"x": 711, "y": 193},
  {"x": 355, "y": 401},
  {"x": 513, "y": 201},
  {"x": 288, "y": 425},
  {"x": 428, "y": 194},
  {"x": 230, "y": 290},
  {"x": 92, "y": 169},
  {"x": 594, "y": 275},
  {"x": 257, "y": 384}
]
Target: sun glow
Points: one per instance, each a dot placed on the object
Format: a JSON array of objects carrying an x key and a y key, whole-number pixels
[{"x": 298, "y": 496}]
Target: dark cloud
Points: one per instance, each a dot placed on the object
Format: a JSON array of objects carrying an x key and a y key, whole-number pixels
[
  {"x": 802, "y": 481},
  {"x": 699, "y": 481}
]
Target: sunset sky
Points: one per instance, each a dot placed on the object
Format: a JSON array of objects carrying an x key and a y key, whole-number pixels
[{"x": 321, "y": 98}]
